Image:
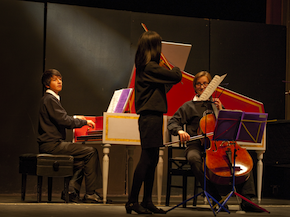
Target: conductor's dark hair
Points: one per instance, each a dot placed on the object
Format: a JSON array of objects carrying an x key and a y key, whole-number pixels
[
  {"x": 149, "y": 49},
  {"x": 47, "y": 75}
]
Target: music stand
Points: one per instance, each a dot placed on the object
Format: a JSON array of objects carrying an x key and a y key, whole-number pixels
[
  {"x": 206, "y": 194},
  {"x": 239, "y": 126}
]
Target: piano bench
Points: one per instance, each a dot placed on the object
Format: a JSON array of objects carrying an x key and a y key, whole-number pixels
[{"x": 47, "y": 165}]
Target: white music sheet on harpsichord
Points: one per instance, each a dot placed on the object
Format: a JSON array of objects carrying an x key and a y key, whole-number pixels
[
  {"x": 215, "y": 82},
  {"x": 119, "y": 100}
]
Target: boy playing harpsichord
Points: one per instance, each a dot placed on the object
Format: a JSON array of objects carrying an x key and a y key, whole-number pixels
[{"x": 53, "y": 122}]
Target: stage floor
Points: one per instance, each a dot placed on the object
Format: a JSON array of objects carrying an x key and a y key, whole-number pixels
[{"x": 11, "y": 205}]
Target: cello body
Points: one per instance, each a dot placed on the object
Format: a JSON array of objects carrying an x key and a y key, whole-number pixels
[
  {"x": 220, "y": 157},
  {"x": 220, "y": 163}
]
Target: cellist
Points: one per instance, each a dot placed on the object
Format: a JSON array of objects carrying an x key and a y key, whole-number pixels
[{"x": 189, "y": 114}]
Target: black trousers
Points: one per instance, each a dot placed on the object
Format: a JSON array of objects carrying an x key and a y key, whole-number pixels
[{"x": 86, "y": 163}]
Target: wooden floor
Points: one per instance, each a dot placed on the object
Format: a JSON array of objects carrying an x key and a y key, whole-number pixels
[{"x": 11, "y": 205}]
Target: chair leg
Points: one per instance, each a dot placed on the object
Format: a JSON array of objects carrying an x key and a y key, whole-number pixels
[
  {"x": 66, "y": 186},
  {"x": 168, "y": 190},
  {"x": 169, "y": 176},
  {"x": 49, "y": 186},
  {"x": 184, "y": 190},
  {"x": 23, "y": 186},
  {"x": 194, "y": 202},
  {"x": 39, "y": 188}
]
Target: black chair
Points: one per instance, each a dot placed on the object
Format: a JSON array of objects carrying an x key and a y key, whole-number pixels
[
  {"x": 178, "y": 166},
  {"x": 47, "y": 165}
]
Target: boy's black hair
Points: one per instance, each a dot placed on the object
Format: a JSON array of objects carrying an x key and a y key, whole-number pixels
[{"x": 47, "y": 75}]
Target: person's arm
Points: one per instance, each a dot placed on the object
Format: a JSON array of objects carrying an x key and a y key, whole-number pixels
[
  {"x": 175, "y": 127},
  {"x": 90, "y": 123},
  {"x": 175, "y": 124},
  {"x": 58, "y": 114},
  {"x": 157, "y": 74}
]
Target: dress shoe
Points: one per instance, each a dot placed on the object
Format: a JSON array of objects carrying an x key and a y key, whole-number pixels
[
  {"x": 108, "y": 200},
  {"x": 94, "y": 198},
  {"x": 73, "y": 197},
  {"x": 137, "y": 208},
  {"x": 151, "y": 207}
]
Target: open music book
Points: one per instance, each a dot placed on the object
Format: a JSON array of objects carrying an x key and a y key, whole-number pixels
[
  {"x": 119, "y": 100},
  {"x": 215, "y": 82}
]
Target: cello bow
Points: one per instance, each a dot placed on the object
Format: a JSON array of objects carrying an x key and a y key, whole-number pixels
[{"x": 191, "y": 138}]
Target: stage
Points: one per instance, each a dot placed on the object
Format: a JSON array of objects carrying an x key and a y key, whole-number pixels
[{"x": 11, "y": 205}]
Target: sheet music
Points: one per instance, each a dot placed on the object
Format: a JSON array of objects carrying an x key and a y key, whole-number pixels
[
  {"x": 114, "y": 101},
  {"x": 215, "y": 82},
  {"x": 119, "y": 100}
]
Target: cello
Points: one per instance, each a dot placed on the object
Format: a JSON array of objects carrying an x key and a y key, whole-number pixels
[{"x": 220, "y": 157}]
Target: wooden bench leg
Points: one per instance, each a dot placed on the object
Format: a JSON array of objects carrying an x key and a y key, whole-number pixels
[
  {"x": 49, "y": 186},
  {"x": 23, "y": 186},
  {"x": 39, "y": 188}
]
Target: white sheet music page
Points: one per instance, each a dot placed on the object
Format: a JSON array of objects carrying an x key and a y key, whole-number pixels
[
  {"x": 215, "y": 82},
  {"x": 119, "y": 100},
  {"x": 114, "y": 101}
]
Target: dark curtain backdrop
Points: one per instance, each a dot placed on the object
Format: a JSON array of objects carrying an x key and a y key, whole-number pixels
[
  {"x": 254, "y": 56},
  {"x": 21, "y": 36}
]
